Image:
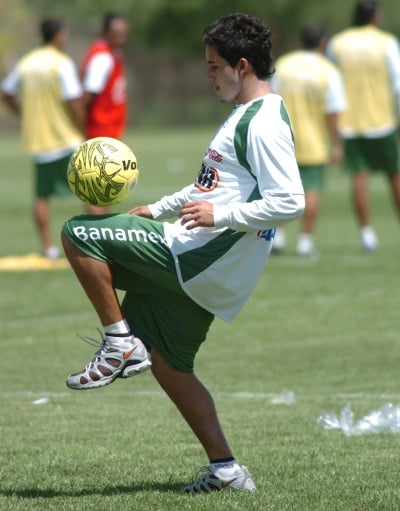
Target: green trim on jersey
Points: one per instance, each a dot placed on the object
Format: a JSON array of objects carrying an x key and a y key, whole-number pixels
[
  {"x": 255, "y": 194},
  {"x": 195, "y": 261},
  {"x": 241, "y": 130},
  {"x": 286, "y": 118}
]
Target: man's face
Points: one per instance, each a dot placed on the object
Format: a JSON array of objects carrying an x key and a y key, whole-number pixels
[
  {"x": 117, "y": 34},
  {"x": 227, "y": 80},
  {"x": 60, "y": 38}
]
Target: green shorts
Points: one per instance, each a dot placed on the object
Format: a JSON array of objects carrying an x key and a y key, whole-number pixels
[
  {"x": 51, "y": 178},
  {"x": 155, "y": 306},
  {"x": 312, "y": 177},
  {"x": 372, "y": 154}
]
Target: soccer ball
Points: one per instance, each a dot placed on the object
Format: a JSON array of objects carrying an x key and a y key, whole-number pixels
[{"x": 102, "y": 171}]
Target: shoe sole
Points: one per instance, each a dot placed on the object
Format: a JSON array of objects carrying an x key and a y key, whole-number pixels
[
  {"x": 91, "y": 385},
  {"x": 133, "y": 369},
  {"x": 128, "y": 371}
]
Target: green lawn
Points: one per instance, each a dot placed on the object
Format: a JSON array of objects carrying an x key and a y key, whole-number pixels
[{"x": 326, "y": 329}]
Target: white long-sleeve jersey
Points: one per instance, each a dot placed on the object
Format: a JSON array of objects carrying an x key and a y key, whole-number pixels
[{"x": 250, "y": 175}]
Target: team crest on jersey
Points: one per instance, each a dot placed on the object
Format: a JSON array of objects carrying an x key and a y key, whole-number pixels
[{"x": 207, "y": 178}]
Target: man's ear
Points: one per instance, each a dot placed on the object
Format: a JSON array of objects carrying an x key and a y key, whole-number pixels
[{"x": 243, "y": 65}]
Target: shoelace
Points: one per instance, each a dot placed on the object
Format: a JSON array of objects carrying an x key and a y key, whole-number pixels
[
  {"x": 203, "y": 472},
  {"x": 93, "y": 342}
]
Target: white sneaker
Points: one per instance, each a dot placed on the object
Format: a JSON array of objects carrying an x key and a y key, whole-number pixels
[
  {"x": 52, "y": 253},
  {"x": 279, "y": 242},
  {"x": 305, "y": 245},
  {"x": 369, "y": 240},
  {"x": 226, "y": 477},
  {"x": 115, "y": 358}
]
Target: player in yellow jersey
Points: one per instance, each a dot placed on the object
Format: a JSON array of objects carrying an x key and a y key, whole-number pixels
[
  {"x": 369, "y": 59},
  {"x": 313, "y": 92},
  {"x": 44, "y": 90}
]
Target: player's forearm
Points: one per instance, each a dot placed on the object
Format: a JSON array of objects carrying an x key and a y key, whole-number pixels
[
  {"x": 335, "y": 138},
  {"x": 11, "y": 103},
  {"x": 274, "y": 209},
  {"x": 170, "y": 205},
  {"x": 78, "y": 113}
]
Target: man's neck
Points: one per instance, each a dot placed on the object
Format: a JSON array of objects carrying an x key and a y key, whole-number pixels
[{"x": 255, "y": 89}]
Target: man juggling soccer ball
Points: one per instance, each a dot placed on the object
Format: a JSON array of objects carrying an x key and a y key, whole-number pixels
[{"x": 178, "y": 276}]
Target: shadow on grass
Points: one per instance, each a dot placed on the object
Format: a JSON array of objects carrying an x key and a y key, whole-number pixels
[{"x": 108, "y": 491}]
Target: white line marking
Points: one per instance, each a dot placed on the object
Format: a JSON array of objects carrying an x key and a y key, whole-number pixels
[
  {"x": 230, "y": 395},
  {"x": 23, "y": 322}
]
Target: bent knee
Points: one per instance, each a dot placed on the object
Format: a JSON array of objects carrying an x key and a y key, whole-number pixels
[{"x": 164, "y": 373}]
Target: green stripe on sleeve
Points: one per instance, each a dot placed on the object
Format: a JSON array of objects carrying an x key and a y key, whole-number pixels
[{"x": 242, "y": 128}]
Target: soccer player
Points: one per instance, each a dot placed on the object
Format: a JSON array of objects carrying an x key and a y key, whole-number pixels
[
  {"x": 104, "y": 80},
  {"x": 179, "y": 275},
  {"x": 369, "y": 59},
  {"x": 312, "y": 89},
  {"x": 44, "y": 90}
]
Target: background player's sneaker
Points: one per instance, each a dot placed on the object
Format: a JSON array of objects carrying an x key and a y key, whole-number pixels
[
  {"x": 52, "y": 253},
  {"x": 226, "y": 477},
  {"x": 369, "y": 240},
  {"x": 115, "y": 358},
  {"x": 305, "y": 245}
]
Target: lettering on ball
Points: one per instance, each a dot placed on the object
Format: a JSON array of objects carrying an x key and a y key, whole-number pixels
[{"x": 129, "y": 164}]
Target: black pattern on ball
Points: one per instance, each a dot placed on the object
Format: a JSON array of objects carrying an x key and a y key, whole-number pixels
[{"x": 102, "y": 171}]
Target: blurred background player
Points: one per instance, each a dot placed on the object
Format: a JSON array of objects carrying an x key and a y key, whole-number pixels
[
  {"x": 369, "y": 60},
  {"x": 313, "y": 92},
  {"x": 45, "y": 91},
  {"x": 104, "y": 80}
]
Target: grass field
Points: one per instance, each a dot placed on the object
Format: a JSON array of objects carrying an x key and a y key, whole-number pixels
[{"x": 326, "y": 329}]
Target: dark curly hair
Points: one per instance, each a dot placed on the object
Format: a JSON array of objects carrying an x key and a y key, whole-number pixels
[{"x": 237, "y": 36}]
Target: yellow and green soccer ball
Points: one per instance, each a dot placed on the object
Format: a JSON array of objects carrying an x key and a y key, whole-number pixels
[{"x": 102, "y": 171}]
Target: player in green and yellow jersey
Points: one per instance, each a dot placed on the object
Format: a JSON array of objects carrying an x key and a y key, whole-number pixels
[
  {"x": 313, "y": 92},
  {"x": 44, "y": 90},
  {"x": 369, "y": 59}
]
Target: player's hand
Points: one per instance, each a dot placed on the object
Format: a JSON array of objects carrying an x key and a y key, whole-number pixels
[
  {"x": 197, "y": 214},
  {"x": 141, "y": 211}
]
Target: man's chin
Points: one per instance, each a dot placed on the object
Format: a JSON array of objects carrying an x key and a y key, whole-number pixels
[{"x": 222, "y": 99}]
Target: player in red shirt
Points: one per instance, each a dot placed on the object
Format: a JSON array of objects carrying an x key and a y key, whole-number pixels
[{"x": 104, "y": 80}]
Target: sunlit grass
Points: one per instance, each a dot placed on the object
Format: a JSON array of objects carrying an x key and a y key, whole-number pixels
[{"x": 326, "y": 329}]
